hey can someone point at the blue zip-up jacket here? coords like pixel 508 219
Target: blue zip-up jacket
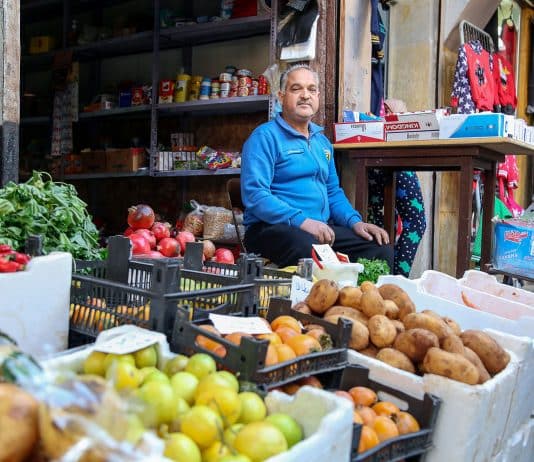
pixel 286 178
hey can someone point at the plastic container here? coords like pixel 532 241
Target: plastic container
pixel 345 274
pixel 34 305
pixel 205 89
pixel 181 89
pixel 248 358
pixel 194 92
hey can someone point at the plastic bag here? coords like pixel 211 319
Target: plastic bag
pixel 214 220
pixel 194 220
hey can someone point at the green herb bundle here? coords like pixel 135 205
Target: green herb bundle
pixel 49 209
pixel 372 270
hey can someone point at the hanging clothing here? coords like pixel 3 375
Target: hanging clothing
pixel 378 36
pixel 473 86
pixel 503 73
pixel 509 38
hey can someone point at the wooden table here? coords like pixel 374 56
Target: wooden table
pixel 461 155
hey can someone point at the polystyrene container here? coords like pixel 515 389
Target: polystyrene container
pixel 326 419
pixel 520 446
pixel 34 305
pixel 449 288
pixel 472 421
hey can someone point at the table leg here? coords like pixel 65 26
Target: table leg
pixel 362 185
pixel 464 216
pixel 389 204
pixel 488 207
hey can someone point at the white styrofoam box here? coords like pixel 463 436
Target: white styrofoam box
pixel 488 283
pixel 34 305
pixel 326 420
pixel 445 286
pixel 520 446
pixel 468 318
pixel 463 411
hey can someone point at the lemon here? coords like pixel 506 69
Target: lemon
pixel 252 407
pixel 224 401
pixel 203 425
pixel 201 364
pixel 215 452
pixel 147 357
pixel 94 363
pixel 181 448
pixel 289 427
pixel 259 441
pixel 184 385
pixel 123 375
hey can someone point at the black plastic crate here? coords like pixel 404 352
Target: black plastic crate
pixel 412 446
pixel 248 359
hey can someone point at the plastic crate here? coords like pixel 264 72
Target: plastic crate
pixel 248 358
pixel 98 304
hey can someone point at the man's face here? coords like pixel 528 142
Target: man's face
pixel 300 98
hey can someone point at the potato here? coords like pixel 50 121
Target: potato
pixel 451 365
pixel 370 351
pixel 398 325
pixel 414 343
pixel 431 313
pixel 322 296
pixel 473 358
pixel 392 310
pixel 302 308
pixel 400 297
pixel 367 285
pixel 396 359
pixel 455 327
pixel 428 322
pixel 453 344
pixel 359 338
pixel 338 309
pixel 372 303
pixel 350 296
pixel 18 423
pixel 492 355
pixel 382 332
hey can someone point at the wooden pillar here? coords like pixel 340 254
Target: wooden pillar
pixel 9 90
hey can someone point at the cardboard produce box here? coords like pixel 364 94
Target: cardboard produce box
pixel 514 246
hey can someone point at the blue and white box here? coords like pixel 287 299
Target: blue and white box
pixel 477 125
pixel 514 246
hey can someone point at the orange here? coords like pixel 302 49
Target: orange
pixel 235 337
pixel 406 423
pixel 271 356
pixel 385 408
pixel 287 321
pixel 284 352
pixel 357 418
pixel 206 342
pixel 219 350
pixel 273 338
pixel 291 388
pixel 385 428
pixel 367 414
pixel 368 439
pixel 311 381
pixel 303 344
pixel 285 333
pixel 363 396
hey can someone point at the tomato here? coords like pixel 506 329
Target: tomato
pixel 148 235
pixel 139 244
pixel 161 230
pixel 183 237
pixel 223 255
pixel 141 216
pixel 169 247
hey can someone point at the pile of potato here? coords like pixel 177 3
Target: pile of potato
pixel 386 326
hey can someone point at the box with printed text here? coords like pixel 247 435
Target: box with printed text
pixel 514 246
pixel 421 125
pixel 477 125
pixel 358 132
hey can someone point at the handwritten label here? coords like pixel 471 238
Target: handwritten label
pixel 126 343
pixel 228 324
pixel 325 253
pixel 300 288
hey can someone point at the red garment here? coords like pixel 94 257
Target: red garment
pixel 508 37
pixel 480 77
pixel 503 73
pixel 508 178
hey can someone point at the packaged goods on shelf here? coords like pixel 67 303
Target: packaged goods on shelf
pixel 94 161
pixel 41 44
pixel 358 132
pixel 34 305
pixel 477 125
pixel 422 125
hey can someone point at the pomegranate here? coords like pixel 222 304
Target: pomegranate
pixel 148 235
pixel 209 249
pixel 139 244
pixel 184 237
pixel 169 247
pixel 128 231
pixel 141 216
pixel 161 230
pixel 152 254
pixel 223 255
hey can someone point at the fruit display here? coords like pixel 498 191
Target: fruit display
pixel 12 261
pixel 386 326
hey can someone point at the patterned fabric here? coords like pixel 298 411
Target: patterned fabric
pixel 409 206
pixel 378 35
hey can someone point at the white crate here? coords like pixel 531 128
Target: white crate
pixel 520 446
pixel 326 419
pixel 34 305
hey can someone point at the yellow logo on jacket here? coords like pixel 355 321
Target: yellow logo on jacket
pixel 327 154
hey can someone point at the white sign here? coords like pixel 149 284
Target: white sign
pixel 229 324
pixel 325 253
pixel 300 288
pixel 124 344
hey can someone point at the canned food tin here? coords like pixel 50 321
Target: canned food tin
pixel 230 69
pixel 242 91
pixel 225 89
pixel 225 77
pixel 181 89
pixel 244 73
pixel 244 82
pixel 215 89
pixel 194 91
pixel 262 85
pixel 255 85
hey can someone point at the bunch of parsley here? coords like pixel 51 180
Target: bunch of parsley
pixel 372 270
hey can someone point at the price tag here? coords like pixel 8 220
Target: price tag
pixel 126 343
pixel 300 288
pixel 325 253
pixel 229 324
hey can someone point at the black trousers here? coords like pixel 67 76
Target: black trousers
pixel 285 245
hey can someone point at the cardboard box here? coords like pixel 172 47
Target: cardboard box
pixel 359 132
pixel 476 125
pixel 410 126
pixel 94 161
pixel 514 246
pixel 125 160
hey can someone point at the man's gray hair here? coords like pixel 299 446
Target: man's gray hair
pixel 295 67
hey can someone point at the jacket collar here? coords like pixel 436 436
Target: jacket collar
pixel 313 128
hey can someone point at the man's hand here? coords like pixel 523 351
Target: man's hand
pixel 321 231
pixel 369 231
